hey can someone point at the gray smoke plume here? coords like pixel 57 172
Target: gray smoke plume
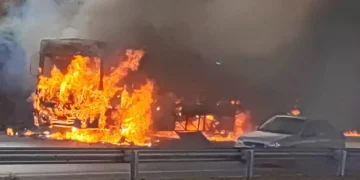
pixel 268 53
pixel 216 30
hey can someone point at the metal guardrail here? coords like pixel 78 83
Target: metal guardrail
pixel 59 156
pixel 134 157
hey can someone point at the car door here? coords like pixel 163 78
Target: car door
pixel 331 137
pixel 307 136
pixel 315 135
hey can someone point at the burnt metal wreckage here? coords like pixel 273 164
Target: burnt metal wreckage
pixel 224 110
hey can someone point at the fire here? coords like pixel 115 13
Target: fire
pixel 9 132
pixel 240 127
pixel 210 117
pixel 352 134
pixel 95 109
pixel 209 126
pixel 28 133
pixel 78 95
pixel 166 134
pixel 295 112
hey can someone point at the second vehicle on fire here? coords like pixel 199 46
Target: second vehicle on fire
pixel 293 131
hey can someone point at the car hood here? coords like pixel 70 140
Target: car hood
pixel 263 137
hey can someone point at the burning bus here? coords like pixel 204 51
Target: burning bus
pixel 77 93
pixel 55 56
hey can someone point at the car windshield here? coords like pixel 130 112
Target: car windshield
pixel 283 125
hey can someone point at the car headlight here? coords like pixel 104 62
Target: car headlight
pixel 275 144
pixel 239 142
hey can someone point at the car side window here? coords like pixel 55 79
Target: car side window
pixel 309 130
pixel 326 129
pixel 318 128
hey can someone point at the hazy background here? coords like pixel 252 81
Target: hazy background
pixel 271 52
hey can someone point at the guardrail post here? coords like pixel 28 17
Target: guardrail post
pixel 341 163
pixel 134 165
pixel 249 156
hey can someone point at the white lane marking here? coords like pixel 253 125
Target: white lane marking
pixel 191 171
pixel 64 174
pixel 117 173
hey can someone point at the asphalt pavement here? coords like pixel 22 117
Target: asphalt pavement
pixel 294 177
pixel 7 141
pixel 154 170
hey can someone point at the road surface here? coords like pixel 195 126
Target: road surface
pixel 7 141
pixel 153 170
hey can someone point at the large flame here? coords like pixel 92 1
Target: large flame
pixel 241 125
pixel 77 95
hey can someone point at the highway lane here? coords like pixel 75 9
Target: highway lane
pixel 7 141
pixel 151 170
pixel 165 170
pixel 121 169
pixel 108 170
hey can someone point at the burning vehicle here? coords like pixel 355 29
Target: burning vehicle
pixel 81 95
pixel 293 131
pixel 74 93
pixel 55 57
pixel 221 121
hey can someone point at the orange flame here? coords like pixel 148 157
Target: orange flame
pixel 209 126
pixel 295 112
pixel 352 134
pixel 77 96
pixel 9 132
pixel 240 127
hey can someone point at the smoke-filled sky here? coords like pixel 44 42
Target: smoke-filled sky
pixel 272 52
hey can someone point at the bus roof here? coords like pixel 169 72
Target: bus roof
pixel 72 46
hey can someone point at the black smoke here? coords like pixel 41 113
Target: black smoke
pixel 271 53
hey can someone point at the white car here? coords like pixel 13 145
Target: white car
pixel 293 131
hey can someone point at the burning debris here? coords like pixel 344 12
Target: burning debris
pixel 241 125
pixel 352 134
pixel 225 121
pixel 9 132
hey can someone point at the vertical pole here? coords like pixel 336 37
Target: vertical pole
pixel 101 83
pixel 198 125
pixel 134 165
pixel 249 155
pixel 186 122
pixel 2 83
pixel 342 163
pixel 204 125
